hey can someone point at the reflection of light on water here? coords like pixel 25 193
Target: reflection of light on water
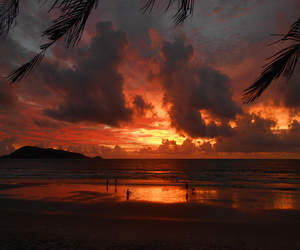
pixel 171 194
pixel 284 201
pixel 90 193
pixel 57 192
pixel 93 193
pixel 159 194
pixel 264 200
pixel 207 194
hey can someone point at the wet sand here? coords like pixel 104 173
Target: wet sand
pixel 108 223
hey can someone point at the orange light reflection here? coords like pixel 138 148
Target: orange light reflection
pixel 93 193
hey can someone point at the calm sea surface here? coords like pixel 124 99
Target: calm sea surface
pixel 248 174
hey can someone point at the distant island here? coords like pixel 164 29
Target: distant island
pixel 30 152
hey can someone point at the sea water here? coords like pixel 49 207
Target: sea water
pixel 266 184
pixel 254 174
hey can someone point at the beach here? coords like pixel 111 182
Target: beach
pixel 76 220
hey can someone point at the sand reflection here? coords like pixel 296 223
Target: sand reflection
pixel 93 193
pixel 89 193
pixel 266 200
pixel 159 194
pixel 284 201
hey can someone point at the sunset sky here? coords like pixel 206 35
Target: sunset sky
pixel 137 86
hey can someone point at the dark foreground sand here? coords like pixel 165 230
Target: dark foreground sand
pixel 108 224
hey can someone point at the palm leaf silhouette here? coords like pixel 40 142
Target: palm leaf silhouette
pixel 185 9
pixel 282 63
pixel 25 69
pixel 9 10
pixel 72 20
pixel 70 24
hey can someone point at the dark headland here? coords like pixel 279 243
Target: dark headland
pixel 30 152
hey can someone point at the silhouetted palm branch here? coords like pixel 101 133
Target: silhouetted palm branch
pixel 185 9
pixel 27 67
pixel 283 64
pixel 72 20
pixel 294 33
pixel 70 23
pixel 9 10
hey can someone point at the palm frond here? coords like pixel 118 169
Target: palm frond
pixel 148 6
pixel 9 10
pixel 72 20
pixel 283 63
pixel 185 9
pixel 26 69
pixel 293 34
pixel 70 24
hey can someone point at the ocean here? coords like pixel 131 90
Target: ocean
pixel 240 183
pixel 253 174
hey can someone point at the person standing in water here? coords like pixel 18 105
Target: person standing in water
pixel 128 193
pixel 107 185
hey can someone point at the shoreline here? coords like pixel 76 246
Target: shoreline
pixel 30 224
pixel 93 192
pixel 86 216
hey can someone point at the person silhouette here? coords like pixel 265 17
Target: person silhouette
pixel 128 193
pixel 186 185
pixel 115 185
pixel 107 185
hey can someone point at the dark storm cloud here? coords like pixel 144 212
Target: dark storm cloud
pixel 141 106
pixel 127 15
pixel 252 134
pixel 171 147
pixel 191 88
pixel 103 151
pixel 291 90
pixel 7 97
pixel 9 50
pixel 256 134
pixel 92 90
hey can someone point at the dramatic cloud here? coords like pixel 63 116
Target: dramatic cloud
pixel 141 106
pixel 171 147
pixel 191 89
pixel 7 97
pixel 152 88
pixel 291 90
pixel 92 91
pixel 256 134
pixel 103 151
